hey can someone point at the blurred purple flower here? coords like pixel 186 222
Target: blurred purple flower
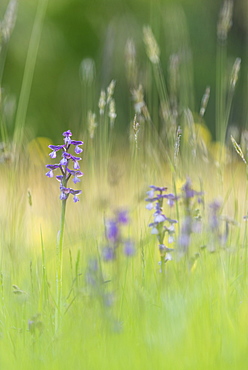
pixel 157 188
pixel 92 270
pixel 129 249
pixel 184 236
pixel 108 253
pixel 122 217
pixel 214 209
pixel 155 198
pixel 189 192
pixel 171 199
pixel 112 231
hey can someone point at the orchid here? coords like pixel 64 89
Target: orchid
pixel 63 165
pixel 63 178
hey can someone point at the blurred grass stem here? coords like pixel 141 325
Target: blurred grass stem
pixel 29 71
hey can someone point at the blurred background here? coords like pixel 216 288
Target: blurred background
pixel 82 48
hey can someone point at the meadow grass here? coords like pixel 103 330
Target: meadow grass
pixel 128 312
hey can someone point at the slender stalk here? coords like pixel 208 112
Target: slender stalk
pixel 29 71
pixel 59 266
pixel 220 95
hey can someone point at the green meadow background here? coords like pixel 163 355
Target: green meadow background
pixel 78 29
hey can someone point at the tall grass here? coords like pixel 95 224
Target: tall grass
pixel 126 313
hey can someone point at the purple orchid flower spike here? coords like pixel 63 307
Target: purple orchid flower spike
pixel 155 200
pixel 66 172
pixel 66 159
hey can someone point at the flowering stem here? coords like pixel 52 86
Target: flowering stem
pixel 63 178
pixel 59 266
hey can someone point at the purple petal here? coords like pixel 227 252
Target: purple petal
pixel 65 190
pixel 66 155
pixel 159 218
pixel 75 192
pixel 78 150
pixel 75 158
pixel 122 217
pixel 76 165
pixel 63 196
pixel 76 180
pixel 67 133
pixel 53 154
pixel 56 147
pixel 157 188
pixel 49 173
pixel 67 138
pixel 149 206
pixel 75 173
pixel 52 166
pixel 150 193
pixel 63 162
pixel 171 221
pixel 76 142
pixel 75 199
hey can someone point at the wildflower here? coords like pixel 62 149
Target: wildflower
pixel 92 272
pixel 189 192
pixel 114 237
pixel 191 223
pixel 184 236
pixel 214 208
pixel 156 195
pixel 77 149
pixel 171 198
pixel 67 134
pixel 122 217
pixel 129 249
pixel 219 233
pixel 66 159
pixel 51 167
pixel 112 230
pixel 55 149
pixel 76 174
pixel 108 253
